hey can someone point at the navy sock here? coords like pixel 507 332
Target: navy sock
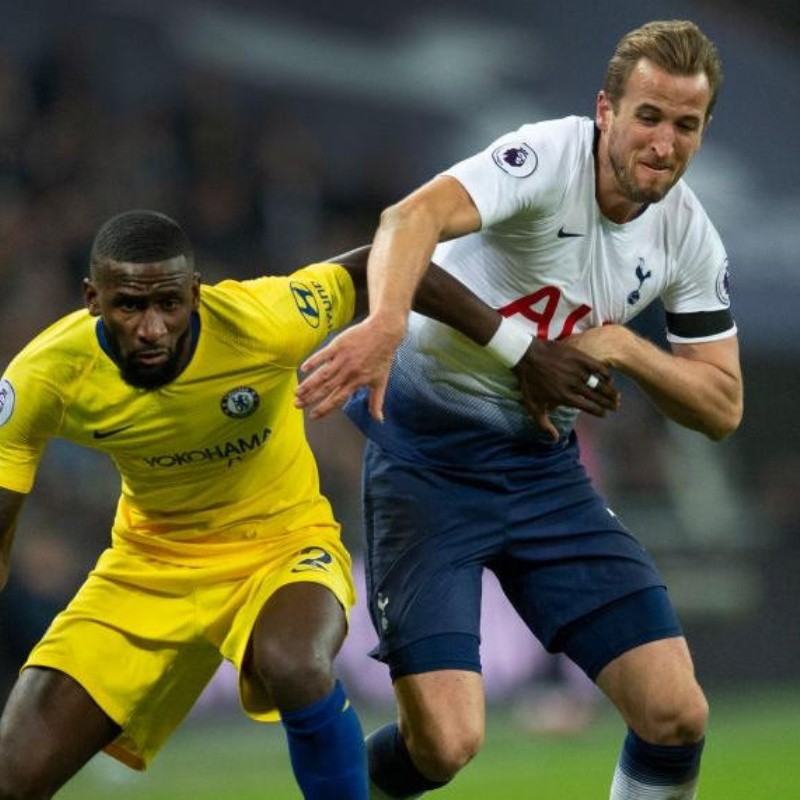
pixel 390 766
pixel 660 765
pixel 326 747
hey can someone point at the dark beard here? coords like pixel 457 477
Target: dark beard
pixel 150 377
pixel 154 377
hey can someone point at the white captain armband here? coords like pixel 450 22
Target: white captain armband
pixel 509 343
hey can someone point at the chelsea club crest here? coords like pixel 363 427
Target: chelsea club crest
pixel 240 402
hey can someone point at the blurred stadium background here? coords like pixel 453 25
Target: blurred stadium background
pixel 275 132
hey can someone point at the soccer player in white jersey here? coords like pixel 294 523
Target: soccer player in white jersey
pixel 222 545
pixel 570 228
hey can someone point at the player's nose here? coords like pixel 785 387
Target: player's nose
pixel 663 141
pixel 151 325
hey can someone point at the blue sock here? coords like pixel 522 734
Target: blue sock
pixel 390 766
pixel 326 747
pixel 656 771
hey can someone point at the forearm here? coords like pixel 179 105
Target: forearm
pixel 442 297
pixel 692 391
pixel 404 243
pixel 401 251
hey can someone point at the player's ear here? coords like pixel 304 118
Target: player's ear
pixel 196 281
pixel 603 110
pixel 90 296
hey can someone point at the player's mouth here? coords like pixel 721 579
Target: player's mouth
pixel 656 169
pixel 150 358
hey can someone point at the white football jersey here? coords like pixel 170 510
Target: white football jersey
pixel 547 257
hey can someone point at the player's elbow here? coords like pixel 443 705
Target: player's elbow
pixel 416 213
pixel 402 215
pixel 395 217
pixel 725 422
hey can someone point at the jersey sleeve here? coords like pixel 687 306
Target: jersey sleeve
pixel 697 302
pixel 524 172
pixel 304 308
pixel 30 413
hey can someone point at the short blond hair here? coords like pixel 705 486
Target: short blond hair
pixel 677 46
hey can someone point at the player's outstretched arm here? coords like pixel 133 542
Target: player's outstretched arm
pixel 10 505
pixel 401 251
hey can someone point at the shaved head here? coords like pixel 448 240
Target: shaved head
pixel 139 237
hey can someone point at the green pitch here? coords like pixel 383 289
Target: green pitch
pixel 751 753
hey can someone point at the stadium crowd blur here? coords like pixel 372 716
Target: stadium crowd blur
pixel 251 176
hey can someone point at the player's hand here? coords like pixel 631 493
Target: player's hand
pixel 360 356
pixel 554 374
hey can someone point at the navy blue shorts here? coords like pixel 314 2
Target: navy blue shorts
pixel 576 576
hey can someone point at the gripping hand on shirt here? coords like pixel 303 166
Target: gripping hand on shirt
pixel 554 374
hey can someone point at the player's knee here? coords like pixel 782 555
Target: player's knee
pixel 440 757
pixel 678 721
pixel 294 674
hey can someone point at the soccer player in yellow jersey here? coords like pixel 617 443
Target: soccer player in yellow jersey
pixel 222 545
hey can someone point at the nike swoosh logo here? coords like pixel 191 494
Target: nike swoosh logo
pixel 562 234
pixel 112 432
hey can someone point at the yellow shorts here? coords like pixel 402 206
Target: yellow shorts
pixel 144 636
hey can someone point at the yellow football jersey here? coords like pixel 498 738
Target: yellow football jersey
pixel 219 455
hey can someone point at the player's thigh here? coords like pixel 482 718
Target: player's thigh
pixel 429 534
pixel 291 612
pixel 296 636
pixel 300 620
pixel 49 729
pixel 442 709
pixel 655 689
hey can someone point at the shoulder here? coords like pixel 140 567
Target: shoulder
pixel 316 296
pixel 270 290
pixel 527 171
pixel 48 369
pixel 62 349
pixel 562 132
pixel 558 139
pixel 546 155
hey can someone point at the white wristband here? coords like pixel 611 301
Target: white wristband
pixel 509 343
